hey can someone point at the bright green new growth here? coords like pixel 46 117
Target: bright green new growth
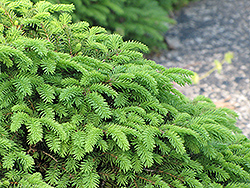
pixel 82 108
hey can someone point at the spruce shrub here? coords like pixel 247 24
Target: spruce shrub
pixel 82 108
pixel 143 20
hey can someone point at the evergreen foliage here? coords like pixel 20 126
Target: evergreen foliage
pixel 82 108
pixel 143 20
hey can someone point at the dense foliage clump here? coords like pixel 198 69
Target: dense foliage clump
pixel 82 108
pixel 143 20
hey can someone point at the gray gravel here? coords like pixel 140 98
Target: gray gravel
pixel 206 30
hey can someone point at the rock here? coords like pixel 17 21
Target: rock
pixel 173 42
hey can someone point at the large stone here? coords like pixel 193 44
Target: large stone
pixel 173 42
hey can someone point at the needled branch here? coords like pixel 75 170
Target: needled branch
pixel 79 107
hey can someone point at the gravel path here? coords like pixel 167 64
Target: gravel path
pixel 206 30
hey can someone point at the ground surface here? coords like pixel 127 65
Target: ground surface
pixel 206 30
